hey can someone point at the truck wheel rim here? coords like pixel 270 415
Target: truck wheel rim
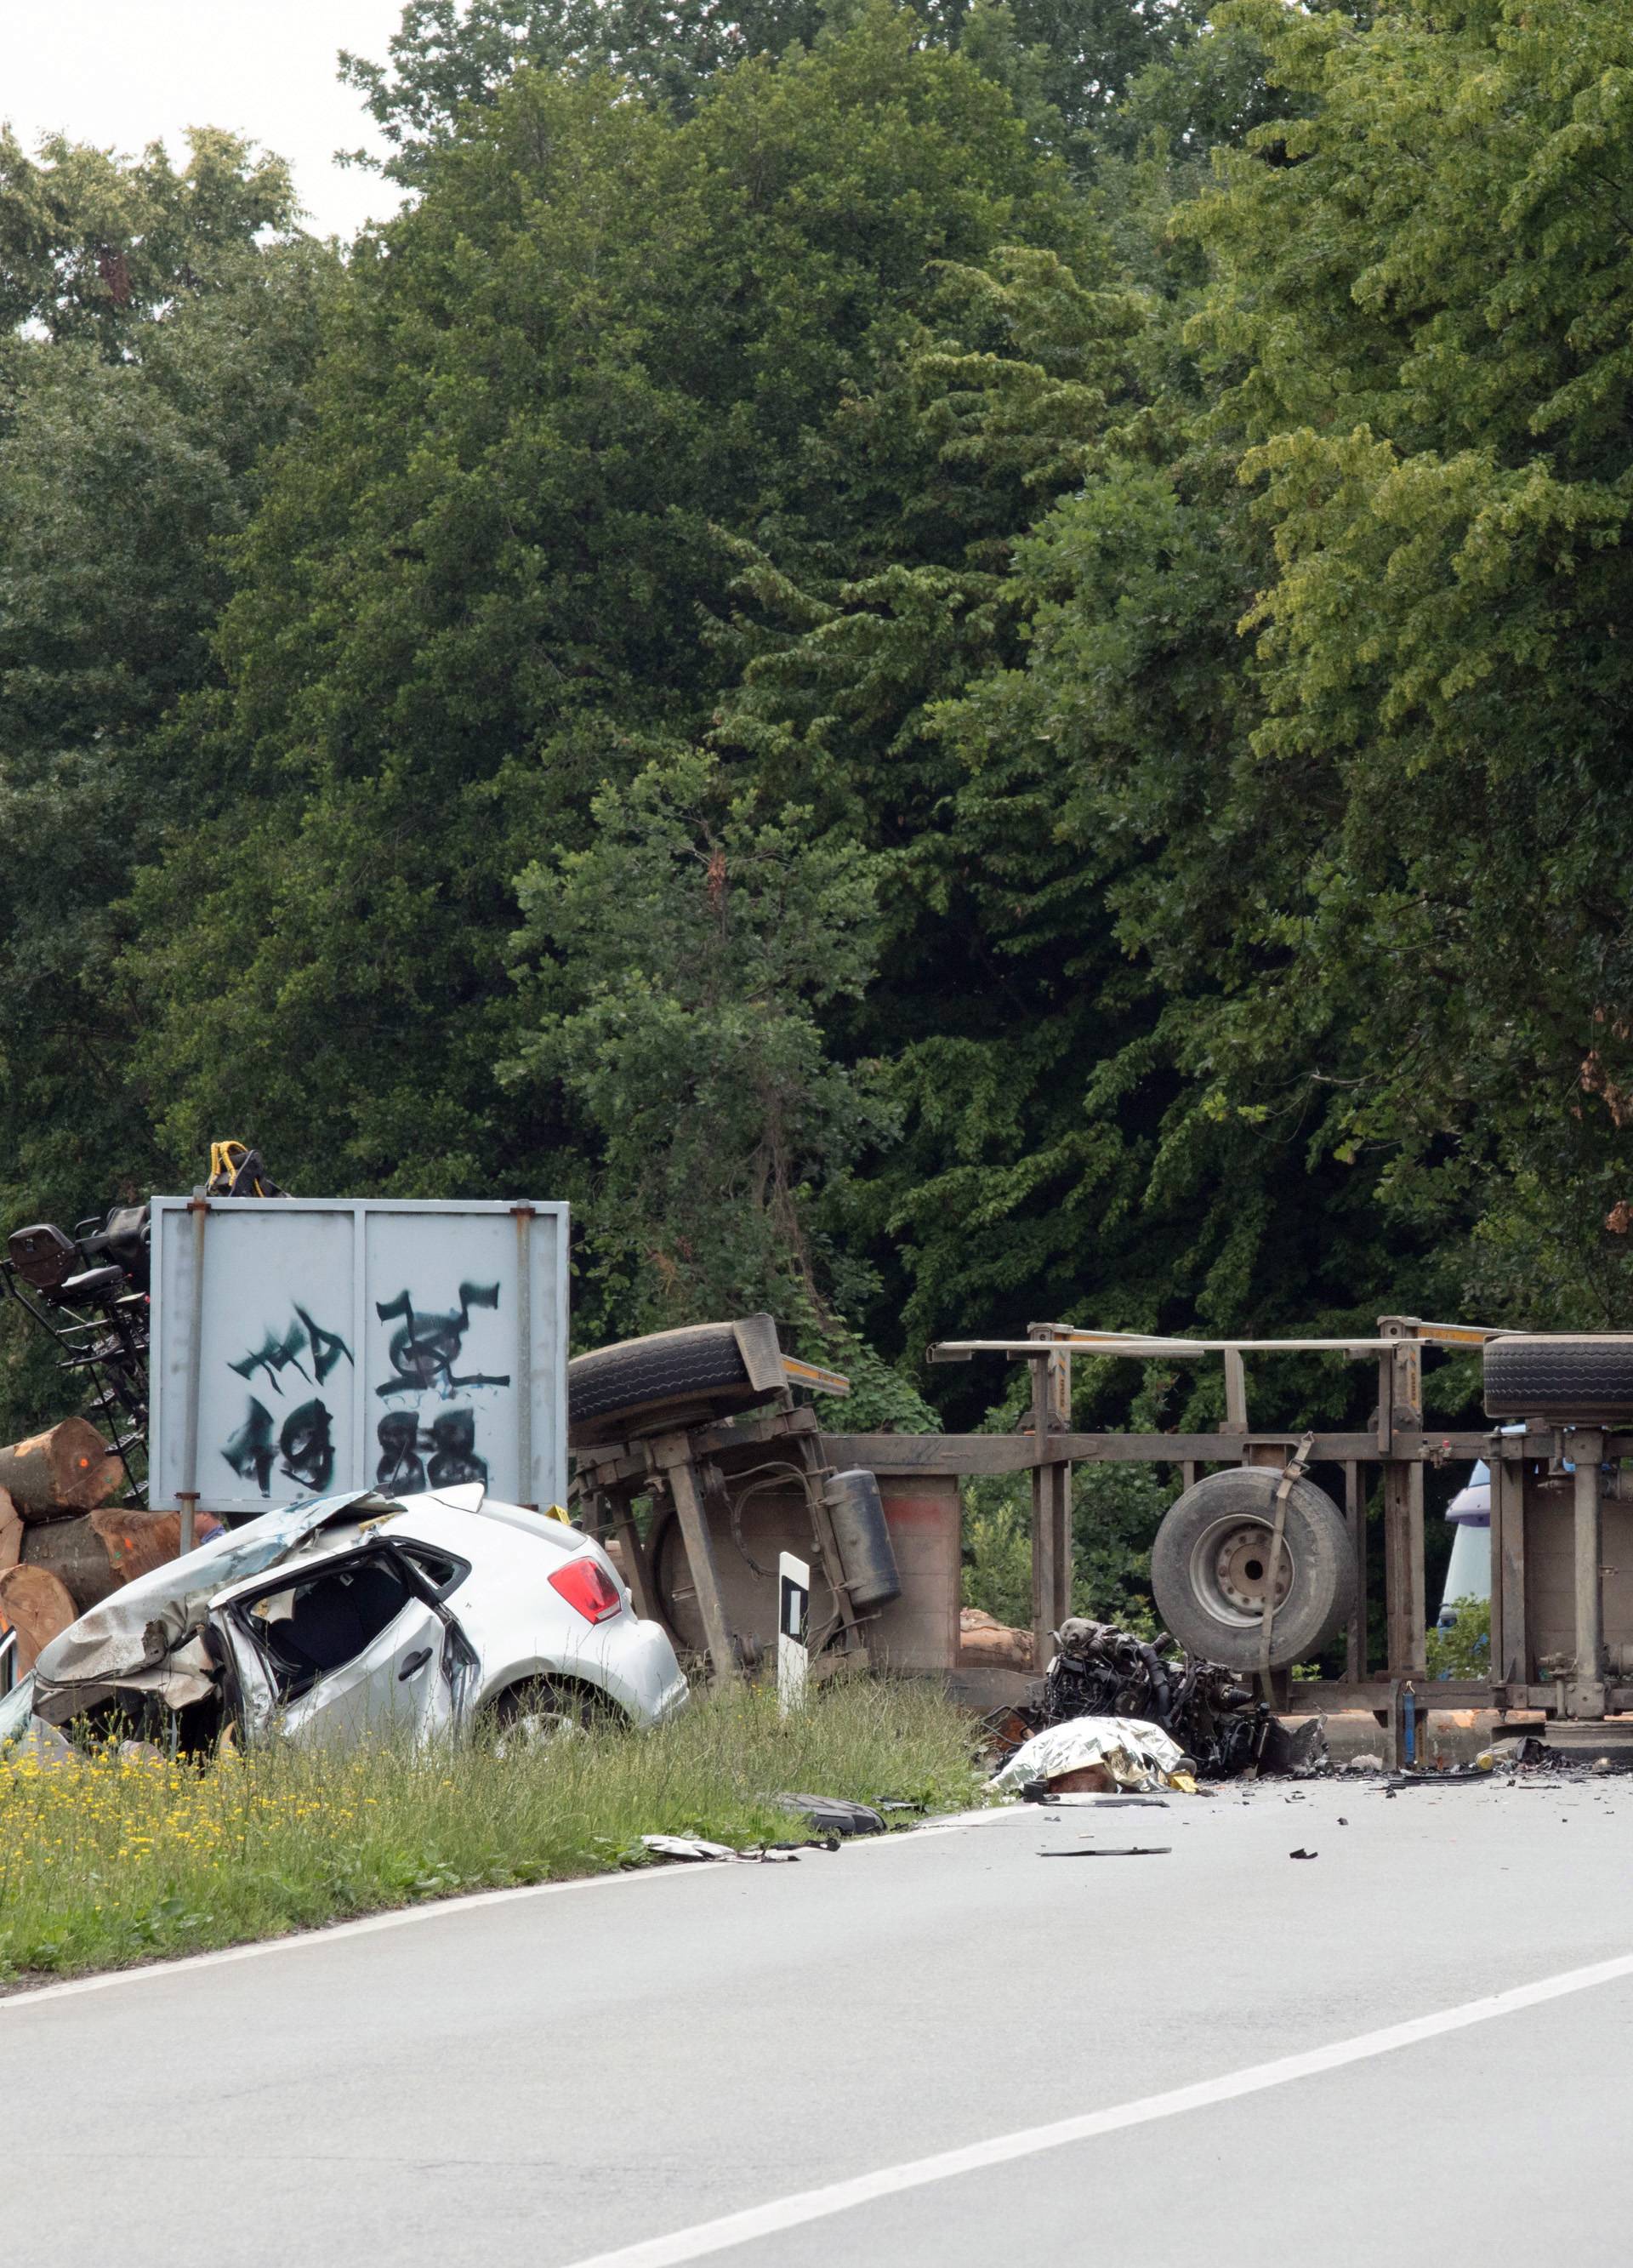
pixel 1230 1571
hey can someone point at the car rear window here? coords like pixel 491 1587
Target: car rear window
pixel 441 1570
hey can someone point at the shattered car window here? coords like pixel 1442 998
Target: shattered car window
pixel 306 1629
pixel 441 1570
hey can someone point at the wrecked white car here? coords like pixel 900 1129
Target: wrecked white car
pixel 360 1614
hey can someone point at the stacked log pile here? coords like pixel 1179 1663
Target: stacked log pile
pixel 63 1547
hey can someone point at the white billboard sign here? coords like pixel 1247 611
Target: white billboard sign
pixel 303 1346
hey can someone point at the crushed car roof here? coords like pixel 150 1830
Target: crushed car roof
pixel 138 1626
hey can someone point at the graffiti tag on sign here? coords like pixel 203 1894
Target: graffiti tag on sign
pixel 302 1447
pixel 442 1454
pixel 424 1354
pixel 423 1350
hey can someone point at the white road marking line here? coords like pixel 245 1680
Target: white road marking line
pixel 733 2228
pixel 432 1910
pixel 399 1918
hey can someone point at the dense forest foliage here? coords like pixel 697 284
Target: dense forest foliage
pixel 954 663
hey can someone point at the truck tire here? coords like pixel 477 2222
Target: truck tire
pixel 641 1385
pixel 1581 1381
pixel 1209 1568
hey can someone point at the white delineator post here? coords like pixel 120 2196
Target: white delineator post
pixel 793 1658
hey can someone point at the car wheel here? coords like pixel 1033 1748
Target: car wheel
pixel 1585 1381
pixel 1210 1569
pixel 540 1713
pixel 671 1378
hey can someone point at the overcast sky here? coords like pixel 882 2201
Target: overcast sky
pixel 127 72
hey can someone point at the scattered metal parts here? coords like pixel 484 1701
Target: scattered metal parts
pixel 836 1814
pixel 1099 1670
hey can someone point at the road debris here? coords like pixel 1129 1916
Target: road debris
pixel 1472 1778
pixel 833 1815
pixel 1304 1854
pixel 686 1846
pixel 1122 1851
pixel 1097 1671
pixel 695 1848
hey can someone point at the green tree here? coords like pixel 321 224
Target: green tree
pixel 680 967
pixel 1041 707
pixel 167 322
pixel 604 350
pixel 96 247
pixel 1075 59
pixel 1439 401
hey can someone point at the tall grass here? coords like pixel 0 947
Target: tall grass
pixel 115 1857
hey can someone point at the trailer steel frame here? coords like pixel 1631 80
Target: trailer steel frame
pixel 688 1465
pixel 1398 1444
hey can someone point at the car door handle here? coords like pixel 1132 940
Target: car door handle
pixel 415 1661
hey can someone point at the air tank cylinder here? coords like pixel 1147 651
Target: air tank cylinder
pixel 867 1558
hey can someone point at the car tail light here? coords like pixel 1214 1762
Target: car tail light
pixel 588 1588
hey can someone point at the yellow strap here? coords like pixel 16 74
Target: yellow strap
pixel 226 1157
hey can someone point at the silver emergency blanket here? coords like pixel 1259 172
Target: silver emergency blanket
pixel 1137 1755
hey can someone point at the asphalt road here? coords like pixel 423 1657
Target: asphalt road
pixel 548 2077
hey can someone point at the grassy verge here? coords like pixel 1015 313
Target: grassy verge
pixel 111 1860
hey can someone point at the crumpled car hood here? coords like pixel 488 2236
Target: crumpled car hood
pixel 136 1638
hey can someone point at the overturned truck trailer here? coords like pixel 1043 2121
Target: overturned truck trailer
pixel 698 1463
pixel 696 1452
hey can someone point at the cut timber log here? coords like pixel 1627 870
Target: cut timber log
pixel 138 1541
pixel 71 1468
pixel 984 1640
pixel 10 1533
pixel 76 1555
pixel 37 1605
pixel 87 1557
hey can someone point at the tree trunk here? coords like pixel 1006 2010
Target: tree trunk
pixel 10 1533
pixel 138 1541
pixel 71 1468
pixel 38 1607
pixel 72 1550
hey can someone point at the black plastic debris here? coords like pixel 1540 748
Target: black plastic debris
pixel 835 1815
pixel 1123 1851
pixel 1303 1751
pixel 1304 1854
